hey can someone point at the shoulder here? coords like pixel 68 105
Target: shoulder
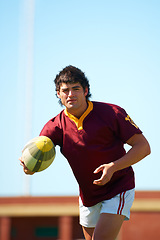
pixel 53 129
pixel 107 107
pixel 53 123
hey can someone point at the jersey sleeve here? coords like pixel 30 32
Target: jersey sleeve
pixel 125 127
pixel 53 130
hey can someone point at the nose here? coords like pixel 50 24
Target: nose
pixel 70 93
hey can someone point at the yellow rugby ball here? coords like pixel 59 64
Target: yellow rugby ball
pixel 38 153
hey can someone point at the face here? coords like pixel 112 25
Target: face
pixel 73 97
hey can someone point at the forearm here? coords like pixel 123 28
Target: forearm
pixel 138 151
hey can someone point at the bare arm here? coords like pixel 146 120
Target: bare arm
pixel 140 149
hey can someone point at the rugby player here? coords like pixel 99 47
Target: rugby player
pixel 91 136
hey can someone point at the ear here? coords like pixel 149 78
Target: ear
pixel 58 94
pixel 86 91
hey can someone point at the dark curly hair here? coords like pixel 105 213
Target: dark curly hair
pixel 71 74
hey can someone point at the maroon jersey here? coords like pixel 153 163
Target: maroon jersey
pixel 96 138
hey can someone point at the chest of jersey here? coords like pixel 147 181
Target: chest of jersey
pixel 96 140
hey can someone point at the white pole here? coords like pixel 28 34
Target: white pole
pixel 29 4
pixel 29 7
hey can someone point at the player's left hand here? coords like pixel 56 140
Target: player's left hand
pixel 107 173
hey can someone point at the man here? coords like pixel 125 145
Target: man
pixel 91 136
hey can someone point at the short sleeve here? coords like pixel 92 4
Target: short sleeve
pixel 53 130
pixel 125 127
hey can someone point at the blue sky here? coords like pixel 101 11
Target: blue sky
pixel 116 43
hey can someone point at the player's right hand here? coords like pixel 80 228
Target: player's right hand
pixel 25 169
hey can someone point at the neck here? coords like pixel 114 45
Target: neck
pixel 78 112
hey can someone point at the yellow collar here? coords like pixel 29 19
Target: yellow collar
pixel 79 122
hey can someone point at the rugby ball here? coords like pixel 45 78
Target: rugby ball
pixel 38 153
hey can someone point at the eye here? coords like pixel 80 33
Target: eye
pixel 65 90
pixel 76 88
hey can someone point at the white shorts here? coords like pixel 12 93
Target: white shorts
pixel 120 204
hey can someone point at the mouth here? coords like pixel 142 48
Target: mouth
pixel 71 100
